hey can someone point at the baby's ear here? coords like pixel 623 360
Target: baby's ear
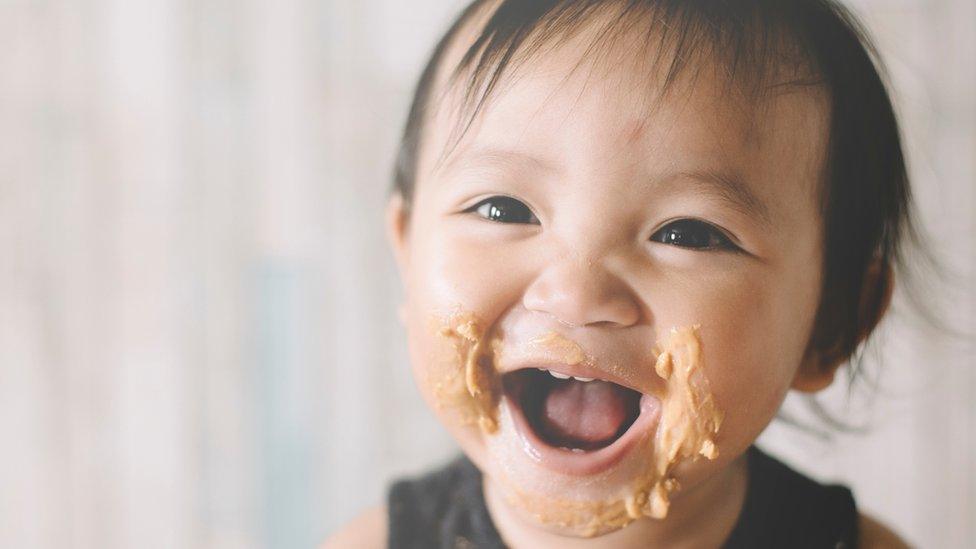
pixel 819 366
pixel 397 218
pixel 816 372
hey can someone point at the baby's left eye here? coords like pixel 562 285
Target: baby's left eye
pixel 693 234
pixel 504 209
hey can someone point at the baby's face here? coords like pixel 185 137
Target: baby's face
pixel 581 218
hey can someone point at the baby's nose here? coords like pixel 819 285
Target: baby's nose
pixel 583 293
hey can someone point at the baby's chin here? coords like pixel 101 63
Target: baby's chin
pixel 553 513
pixel 592 495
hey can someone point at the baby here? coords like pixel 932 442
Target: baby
pixel 626 229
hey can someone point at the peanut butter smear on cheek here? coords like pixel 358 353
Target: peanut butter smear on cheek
pixel 466 380
pixel 687 428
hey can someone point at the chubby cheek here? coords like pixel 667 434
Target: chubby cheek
pixel 455 289
pixel 754 331
pixel 448 271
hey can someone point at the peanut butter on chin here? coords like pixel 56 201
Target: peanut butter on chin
pixel 468 383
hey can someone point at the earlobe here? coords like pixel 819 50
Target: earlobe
pixel 819 366
pixel 879 287
pixel 397 219
pixel 814 374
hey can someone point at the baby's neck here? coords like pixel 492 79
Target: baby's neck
pixel 700 517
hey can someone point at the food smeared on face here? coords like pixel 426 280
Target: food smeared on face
pixel 466 381
pixel 562 348
pixel 687 423
pixel 579 416
pixel 690 421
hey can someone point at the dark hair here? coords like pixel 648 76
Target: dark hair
pixel 866 202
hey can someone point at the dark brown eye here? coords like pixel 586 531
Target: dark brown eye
pixel 694 234
pixel 504 209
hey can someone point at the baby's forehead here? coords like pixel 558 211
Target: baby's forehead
pixel 576 76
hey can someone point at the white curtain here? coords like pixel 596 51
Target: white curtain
pixel 198 339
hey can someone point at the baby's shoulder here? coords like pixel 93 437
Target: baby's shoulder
pixel 874 535
pixel 420 509
pixel 785 505
pixel 367 531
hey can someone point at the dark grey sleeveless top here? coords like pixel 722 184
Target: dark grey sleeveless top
pixel 446 509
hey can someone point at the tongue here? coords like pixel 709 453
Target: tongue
pixel 584 414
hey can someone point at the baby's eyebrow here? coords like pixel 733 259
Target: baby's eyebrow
pixel 488 156
pixel 730 189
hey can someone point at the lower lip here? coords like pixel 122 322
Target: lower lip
pixel 578 463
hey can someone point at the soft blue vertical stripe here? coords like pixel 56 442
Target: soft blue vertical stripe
pixel 282 397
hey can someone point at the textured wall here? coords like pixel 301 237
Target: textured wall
pixel 198 345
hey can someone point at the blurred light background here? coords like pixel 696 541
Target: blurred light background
pixel 198 339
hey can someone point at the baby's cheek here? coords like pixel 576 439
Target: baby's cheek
pixel 454 273
pixel 750 387
pixel 750 346
pixel 454 367
pixel 751 363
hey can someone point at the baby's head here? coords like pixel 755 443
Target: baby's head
pixel 696 204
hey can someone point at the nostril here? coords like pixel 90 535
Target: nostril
pixel 603 324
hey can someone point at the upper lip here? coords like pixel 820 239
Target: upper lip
pixel 586 369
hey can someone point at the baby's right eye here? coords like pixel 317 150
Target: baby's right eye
pixel 504 209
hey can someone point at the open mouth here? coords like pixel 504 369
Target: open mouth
pixel 576 424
